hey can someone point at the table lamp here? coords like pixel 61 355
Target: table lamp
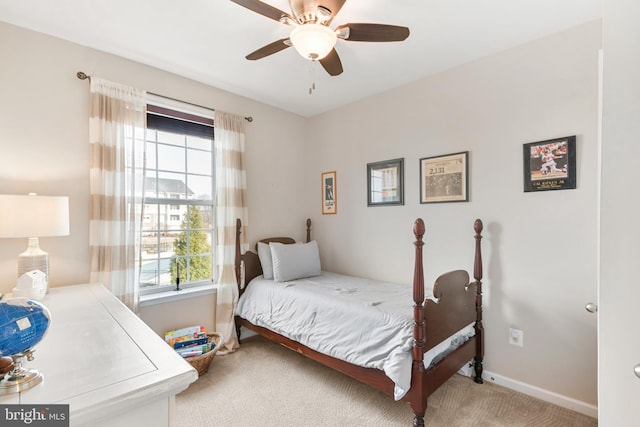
pixel 33 216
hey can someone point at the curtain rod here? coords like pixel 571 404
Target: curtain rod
pixel 83 76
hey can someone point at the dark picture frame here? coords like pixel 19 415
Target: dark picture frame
pixel 385 183
pixel 445 178
pixel 329 193
pixel 550 164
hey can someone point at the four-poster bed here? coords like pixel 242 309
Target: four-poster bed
pixel 458 308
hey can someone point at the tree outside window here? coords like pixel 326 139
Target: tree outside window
pixel 191 249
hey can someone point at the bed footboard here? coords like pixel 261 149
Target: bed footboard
pixel 459 304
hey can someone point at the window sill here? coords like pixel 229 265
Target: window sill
pixel 173 295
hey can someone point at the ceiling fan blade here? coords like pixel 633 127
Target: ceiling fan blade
pixel 331 63
pixel 269 49
pixel 372 32
pixel 263 9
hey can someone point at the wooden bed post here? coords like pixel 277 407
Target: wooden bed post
pixel 419 406
pixel 308 230
pixel 477 274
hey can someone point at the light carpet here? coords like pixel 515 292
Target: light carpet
pixel 264 384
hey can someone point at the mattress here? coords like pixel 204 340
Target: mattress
pixel 364 322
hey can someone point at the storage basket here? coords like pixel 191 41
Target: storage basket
pixel 201 363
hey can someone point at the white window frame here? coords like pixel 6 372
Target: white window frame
pixel 158 294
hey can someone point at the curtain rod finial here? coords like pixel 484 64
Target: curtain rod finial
pixel 82 76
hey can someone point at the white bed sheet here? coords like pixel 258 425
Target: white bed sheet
pixel 370 324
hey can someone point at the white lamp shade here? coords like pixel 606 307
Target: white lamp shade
pixel 33 216
pixel 313 41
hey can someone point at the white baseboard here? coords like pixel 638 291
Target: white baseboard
pixel 542 394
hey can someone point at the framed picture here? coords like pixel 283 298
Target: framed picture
pixel 329 201
pixel 445 178
pixel 385 183
pixel 550 164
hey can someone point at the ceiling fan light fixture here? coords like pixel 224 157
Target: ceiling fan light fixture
pixel 313 41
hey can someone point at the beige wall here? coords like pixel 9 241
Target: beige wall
pixel 540 248
pixel 44 140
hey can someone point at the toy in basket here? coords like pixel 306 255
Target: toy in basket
pixel 201 363
pixel 195 345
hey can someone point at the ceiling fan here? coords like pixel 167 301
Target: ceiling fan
pixel 312 36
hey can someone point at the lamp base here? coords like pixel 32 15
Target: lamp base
pixel 20 379
pixel 34 258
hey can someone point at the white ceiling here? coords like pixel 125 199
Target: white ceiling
pixel 207 40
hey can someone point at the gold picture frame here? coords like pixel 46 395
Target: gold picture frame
pixel 329 194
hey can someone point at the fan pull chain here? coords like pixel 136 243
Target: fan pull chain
pixel 312 77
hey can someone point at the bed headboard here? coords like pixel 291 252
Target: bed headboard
pixel 250 261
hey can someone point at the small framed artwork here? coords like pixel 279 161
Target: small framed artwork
pixel 385 183
pixel 329 201
pixel 550 164
pixel 445 178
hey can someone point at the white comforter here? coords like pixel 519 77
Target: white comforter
pixel 369 324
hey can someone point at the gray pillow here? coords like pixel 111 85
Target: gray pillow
pixel 297 261
pixel 264 253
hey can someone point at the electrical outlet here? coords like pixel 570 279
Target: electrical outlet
pixel 516 337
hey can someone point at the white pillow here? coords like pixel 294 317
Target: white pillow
pixel 296 261
pixel 264 253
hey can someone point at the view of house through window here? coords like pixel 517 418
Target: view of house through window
pixel 178 221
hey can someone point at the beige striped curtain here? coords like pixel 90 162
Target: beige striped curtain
pixel 231 184
pixel 116 176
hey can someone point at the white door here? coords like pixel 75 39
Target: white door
pixel 619 288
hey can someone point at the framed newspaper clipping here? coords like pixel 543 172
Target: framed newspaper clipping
pixel 550 164
pixel 445 178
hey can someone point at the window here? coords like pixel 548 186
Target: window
pixel 178 224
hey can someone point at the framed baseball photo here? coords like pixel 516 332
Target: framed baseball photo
pixel 329 203
pixel 550 164
pixel 444 178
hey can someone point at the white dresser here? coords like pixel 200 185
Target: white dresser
pixel 102 360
